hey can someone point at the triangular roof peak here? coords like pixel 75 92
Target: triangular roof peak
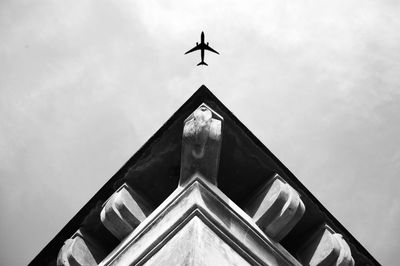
pixel 246 164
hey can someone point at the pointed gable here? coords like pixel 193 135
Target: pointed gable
pixel 245 166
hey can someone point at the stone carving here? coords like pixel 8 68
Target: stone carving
pixel 326 248
pixel 276 209
pixel 124 211
pixel 79 250
pixel 199 225
pixel 201 145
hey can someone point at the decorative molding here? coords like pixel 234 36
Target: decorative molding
pixel 124 211
pixel 197 244
pixel 201 145
pixel 79 250
pixel 276 208
pixel 154 170
pixel 326 248
pixel 201 199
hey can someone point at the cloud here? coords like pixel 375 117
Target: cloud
pixel 84 84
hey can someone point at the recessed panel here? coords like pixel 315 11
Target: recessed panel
pixel 196 244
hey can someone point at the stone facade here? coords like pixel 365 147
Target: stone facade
pixel 199 222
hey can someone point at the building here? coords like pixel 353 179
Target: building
pixel 203 191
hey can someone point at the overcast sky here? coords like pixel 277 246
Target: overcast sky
pixel 83 84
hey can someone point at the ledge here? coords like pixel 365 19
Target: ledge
pixel 215 210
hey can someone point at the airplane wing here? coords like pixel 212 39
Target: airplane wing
pixel 197 47
pixel 210 49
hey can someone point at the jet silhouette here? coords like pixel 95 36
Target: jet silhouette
pixel 202 46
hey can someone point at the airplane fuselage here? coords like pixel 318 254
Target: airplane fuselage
pixel 202 46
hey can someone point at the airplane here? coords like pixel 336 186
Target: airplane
pixel 202 46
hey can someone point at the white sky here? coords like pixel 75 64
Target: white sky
pixel 83 84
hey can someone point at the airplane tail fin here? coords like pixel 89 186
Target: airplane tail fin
pixel 202 63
